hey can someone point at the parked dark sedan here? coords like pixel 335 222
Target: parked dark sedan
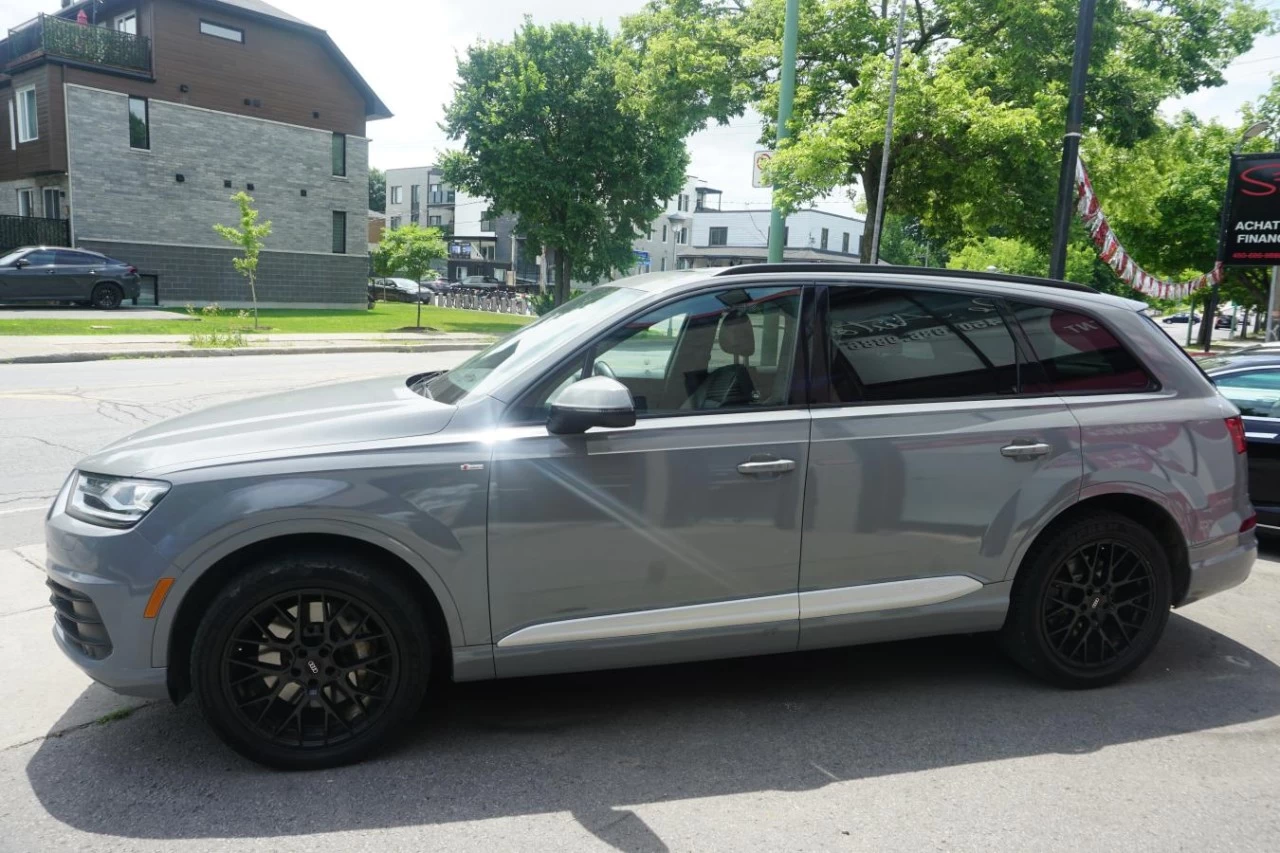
pixel 57 274
pixel 401 290
pixel 1251 380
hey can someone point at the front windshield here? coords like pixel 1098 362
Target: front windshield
pixel 489 368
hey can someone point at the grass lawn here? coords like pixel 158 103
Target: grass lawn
pixel 385 317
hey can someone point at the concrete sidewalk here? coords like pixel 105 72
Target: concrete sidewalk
pixel 36 349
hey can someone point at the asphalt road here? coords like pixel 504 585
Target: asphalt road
pixel 928 745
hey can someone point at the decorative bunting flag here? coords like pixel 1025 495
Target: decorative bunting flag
pixel 1114 255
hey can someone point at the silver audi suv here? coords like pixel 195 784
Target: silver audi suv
pixel 678 466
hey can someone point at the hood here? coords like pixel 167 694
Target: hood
pixel 327 415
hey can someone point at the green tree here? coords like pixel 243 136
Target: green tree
pixel 550 136
pixel 905 242
pixel 377 190
pixel 1018 257
pixel 982 94
pixel 410 250
pixel 248 238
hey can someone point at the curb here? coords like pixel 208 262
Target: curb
pixel 70 357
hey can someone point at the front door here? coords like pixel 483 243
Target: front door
pixel 679 537
pixel 31 279
pixel 931 459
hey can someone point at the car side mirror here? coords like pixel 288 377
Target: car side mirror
pixel 21 262
pixel 596 401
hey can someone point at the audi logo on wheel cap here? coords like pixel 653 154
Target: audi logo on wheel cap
pixel 311 665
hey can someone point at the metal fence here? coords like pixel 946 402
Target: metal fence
pixel 18 231
pixel 68 39
pixel 498 302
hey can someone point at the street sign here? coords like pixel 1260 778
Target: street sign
pixel 758 163
pixel 1251 227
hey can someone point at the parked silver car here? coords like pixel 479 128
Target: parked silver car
pixel 677 466
pixel 56 274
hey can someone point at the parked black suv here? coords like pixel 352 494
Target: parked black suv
pixel 58 274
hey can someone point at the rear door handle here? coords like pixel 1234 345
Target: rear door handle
pixel 1025 451
pixel 767 466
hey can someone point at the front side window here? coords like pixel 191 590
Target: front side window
pixel 718 236
pixel 139 123
pixel 28 126
pixel 1256 393
pixel 26 203
pixel 1077 352
pixel 725 350
pixel 900 345
pixel 41 258
pixel 340 155
pixel 339 232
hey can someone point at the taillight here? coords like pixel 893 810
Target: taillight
pixel 1249 523
pixel 133 270
pixel 1235 426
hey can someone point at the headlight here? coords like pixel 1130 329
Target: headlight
pixel 113 501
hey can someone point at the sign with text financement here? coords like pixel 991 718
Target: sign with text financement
pixel 1251 228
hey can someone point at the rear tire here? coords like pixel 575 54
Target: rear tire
pixel 107 296
pixel 310 661
pixel 1089 602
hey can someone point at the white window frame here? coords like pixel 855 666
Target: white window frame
pixel 13 128
pixel 222 31
pixel 30 194
pixel 125 18
pixel 25 113
pixel 397 195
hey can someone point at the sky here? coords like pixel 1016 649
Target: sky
pixel 407 51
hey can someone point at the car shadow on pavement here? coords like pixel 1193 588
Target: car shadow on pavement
pixel 597 744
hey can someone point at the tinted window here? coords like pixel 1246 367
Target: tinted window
pixel 41 257
pixel 731 349
pixel 74 258
pixel 1256 394
pixel 1078 353
pixel 896 344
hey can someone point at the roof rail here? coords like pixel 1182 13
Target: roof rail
pixel 888 270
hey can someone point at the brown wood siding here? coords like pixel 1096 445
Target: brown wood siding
pixel 30 158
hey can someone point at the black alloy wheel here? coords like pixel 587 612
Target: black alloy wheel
pixel 1089 601
pixel 306 660
pixel 107 297
pixel 1097 603
pixel 310 669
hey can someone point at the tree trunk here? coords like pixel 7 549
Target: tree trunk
pixel 870 189
pixel 253 294
pixel 562 277
pixel 542 269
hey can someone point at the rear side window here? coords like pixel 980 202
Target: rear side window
pixel 891 344
pixel 1077 352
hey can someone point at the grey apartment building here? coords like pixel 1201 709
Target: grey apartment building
pixel 135 121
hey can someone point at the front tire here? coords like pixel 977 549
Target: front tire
pixel 1089 602
pixel 107 296
pixel 310 661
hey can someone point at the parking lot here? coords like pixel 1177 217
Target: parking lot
pixel 936 744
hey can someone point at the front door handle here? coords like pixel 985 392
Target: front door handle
pixel 767 466
pixel 1025 451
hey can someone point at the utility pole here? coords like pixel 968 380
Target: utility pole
pixel 878 225
pixel 1071 142
pixel 786 94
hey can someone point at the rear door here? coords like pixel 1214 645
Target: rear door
pixel 1256 393
pixel 933 455
pixel 75 272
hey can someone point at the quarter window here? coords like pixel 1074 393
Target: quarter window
pixel 1078 353
pixel 139 123
pixel 28 126
pixel 889 344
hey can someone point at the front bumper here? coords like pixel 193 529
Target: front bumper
pixel 1221 564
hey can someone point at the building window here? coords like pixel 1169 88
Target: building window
pixel 126 22
pixel 13 129
pixel 397 195
pixel 222 31
pixel 139 123
pixel 28 128
pixel 486 221
pixel 434 196
pixel 664 233
pixel 844 243
pixel 26 202
pixel 435 221
pixel 339 232
pixel 663 264
pixel 719 236
pixel 825 236
pixel 650 233
pixel 682 236
pixel 394 223
pixel 682 202
pixel 413 196
pixel 413 217
pixel 52 203
pixel 340 155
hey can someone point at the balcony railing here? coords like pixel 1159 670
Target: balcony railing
pixel 66 39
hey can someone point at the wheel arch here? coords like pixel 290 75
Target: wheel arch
pixel 1148 510
pixel 203 579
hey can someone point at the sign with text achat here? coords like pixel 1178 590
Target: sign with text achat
pixel 1251 228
